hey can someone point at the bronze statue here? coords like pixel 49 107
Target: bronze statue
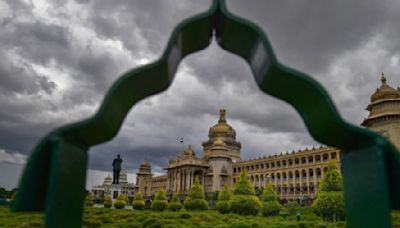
pixel 116 169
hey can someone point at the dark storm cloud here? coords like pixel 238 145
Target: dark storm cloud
pixel 59 59
pixel 310 34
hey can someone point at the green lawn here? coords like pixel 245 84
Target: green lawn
pixel 102 217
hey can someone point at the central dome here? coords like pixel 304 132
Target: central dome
pixel 385 92
pixel 222 129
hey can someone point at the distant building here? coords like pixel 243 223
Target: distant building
pixel 99 192
pixel 295 175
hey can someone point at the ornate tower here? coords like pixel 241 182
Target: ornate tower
pixel 143 178
pixel 384 112
pixel 221 150
pixel 222 130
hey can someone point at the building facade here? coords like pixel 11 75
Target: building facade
pixel 295 175
pixel 107 188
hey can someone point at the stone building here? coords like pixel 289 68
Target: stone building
pixel 384 112
pixel 294 175
pixel 107 188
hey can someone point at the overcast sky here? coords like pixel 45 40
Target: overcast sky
pixel 58 59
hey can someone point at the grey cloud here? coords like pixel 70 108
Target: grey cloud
pixel 333 41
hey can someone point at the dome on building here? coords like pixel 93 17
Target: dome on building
pixel 222 129
pixel 145 167
pixel 385 92
pixel 189 152
pixel 107 180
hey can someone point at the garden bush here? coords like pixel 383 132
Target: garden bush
pixel 244 202
pixel 120 203
pixel 270 205
pixel 244 205
pixel 223 199
pixel 329 203
pixel 108 202
pixel 160 202
pixel 292 207
pixel 89 200
pixel 138 202
pixel 195 199
pixel 174 203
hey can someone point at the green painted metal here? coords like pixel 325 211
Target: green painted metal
pixel 54 177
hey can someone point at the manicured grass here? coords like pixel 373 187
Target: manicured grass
pixel 103 217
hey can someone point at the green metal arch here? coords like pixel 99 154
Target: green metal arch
pixel 54 177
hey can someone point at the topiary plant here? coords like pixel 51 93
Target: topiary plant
pixel 138 202
pixel 329 202
pixel 270 205
pixel 174 204
pixel 108 202
pixel 195 199
pixel 89 200
pixel 292 207
pixel 244 202
pixel 160 202
pixel 223 200
pixel 120 203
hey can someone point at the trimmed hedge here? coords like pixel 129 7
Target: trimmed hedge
pixel 121 202
pixel 138 202
pixel 270 208
pixel 270 205
pixel 329 203
pixel 195 199
pixel 244 202
pixel 108 202
pixel 160 202
pixel 244 205
pixel 223 198
pixel 89 200
pixel 174 203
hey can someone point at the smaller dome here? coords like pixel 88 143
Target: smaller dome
pixel 385 92
pixel 189 152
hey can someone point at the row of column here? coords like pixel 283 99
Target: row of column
pixel 180 180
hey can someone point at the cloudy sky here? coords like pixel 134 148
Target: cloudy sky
pixel 58 58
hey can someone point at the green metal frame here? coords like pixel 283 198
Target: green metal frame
pixel 54 177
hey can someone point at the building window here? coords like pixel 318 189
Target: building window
pixel 310 159
pixel 333 155
pixel 296 161
pixel 115 194
pixel 303 160
pixel 325 157
pixel 234 170
pixel 262 166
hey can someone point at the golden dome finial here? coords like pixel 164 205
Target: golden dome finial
pixel 222 113
pixel 383 79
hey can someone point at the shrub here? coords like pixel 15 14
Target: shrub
pixel 270 205
pixel 329 203
pixel 223 198
pixel 89 200
pixel 243 186
pixel 244 202
pixel 270 208
pixel 244 205
pixel 174 204
pixel 195 199
pixel 108 202
pixel 138 202
pixel 292 207
pixel 120 203
pixel 160 202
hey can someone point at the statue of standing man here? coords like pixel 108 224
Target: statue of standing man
pixel 116 169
